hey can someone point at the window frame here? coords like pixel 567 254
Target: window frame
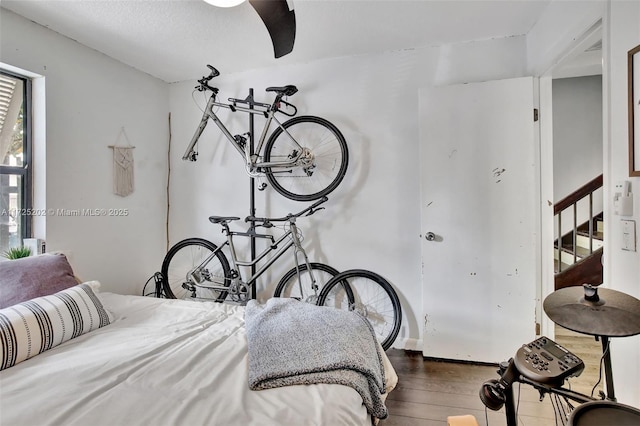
pixel 26 170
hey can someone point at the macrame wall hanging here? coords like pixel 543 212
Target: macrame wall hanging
pixel 122 165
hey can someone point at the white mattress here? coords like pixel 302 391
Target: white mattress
pixel 164 362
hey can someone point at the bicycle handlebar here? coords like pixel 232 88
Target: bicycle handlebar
pixel 204 81
pixel 214 72
pixel 203 85
pixel 309 211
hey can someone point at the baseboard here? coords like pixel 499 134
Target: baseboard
pixel 415 345
pixel 408 344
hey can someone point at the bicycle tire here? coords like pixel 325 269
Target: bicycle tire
pixel 369 294
pixel 329 152
pixel 288 285
pixel 182 258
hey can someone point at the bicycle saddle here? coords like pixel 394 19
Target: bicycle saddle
pixel 287 90
pixel 222 219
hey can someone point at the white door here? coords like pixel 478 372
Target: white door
pixel 480 199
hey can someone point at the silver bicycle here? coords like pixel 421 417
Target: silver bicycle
pixel 304 158
pixel 197 268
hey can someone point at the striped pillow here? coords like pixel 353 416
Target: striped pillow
pixel 39 324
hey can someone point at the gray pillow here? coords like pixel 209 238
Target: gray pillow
pixel 35 276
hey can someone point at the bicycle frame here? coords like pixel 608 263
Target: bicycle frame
pixel 251 160
pixel 293 241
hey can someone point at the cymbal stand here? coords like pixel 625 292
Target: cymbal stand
pixel 608 373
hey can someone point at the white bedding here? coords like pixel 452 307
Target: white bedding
pixel 164 362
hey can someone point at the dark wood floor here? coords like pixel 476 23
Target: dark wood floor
pixel 429 391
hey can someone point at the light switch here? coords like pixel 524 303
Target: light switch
pixel 628 235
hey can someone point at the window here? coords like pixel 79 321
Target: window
pixel 15 159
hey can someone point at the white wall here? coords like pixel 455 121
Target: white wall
pixel 621 268
pixel 577 133
pixel 557 29
pixel 89 98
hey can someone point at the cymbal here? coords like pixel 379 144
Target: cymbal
pixel 594 311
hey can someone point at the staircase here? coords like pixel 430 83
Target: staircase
pixel 578 260
pixel 578 249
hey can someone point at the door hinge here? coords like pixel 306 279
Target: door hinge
pixel 535 114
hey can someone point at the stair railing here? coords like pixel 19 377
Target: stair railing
pixel 571 201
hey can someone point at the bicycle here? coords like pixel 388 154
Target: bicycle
pixel 197 268
pixel 370 295
pixel 304 159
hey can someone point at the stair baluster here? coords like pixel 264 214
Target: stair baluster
pixel 584 269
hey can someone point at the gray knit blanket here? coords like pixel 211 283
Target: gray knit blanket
pixel 296 343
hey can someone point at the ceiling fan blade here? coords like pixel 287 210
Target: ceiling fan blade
pixel 280 22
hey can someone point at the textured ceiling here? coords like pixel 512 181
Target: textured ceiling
pixel 174 39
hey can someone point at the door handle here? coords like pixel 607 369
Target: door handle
pixel 430 236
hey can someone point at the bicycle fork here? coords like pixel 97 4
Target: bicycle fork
pixel 297 250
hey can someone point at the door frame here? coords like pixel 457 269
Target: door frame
pixel 576 46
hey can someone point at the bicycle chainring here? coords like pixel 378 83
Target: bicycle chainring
pixel 239 291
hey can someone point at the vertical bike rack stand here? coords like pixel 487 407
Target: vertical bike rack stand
pixel 252 196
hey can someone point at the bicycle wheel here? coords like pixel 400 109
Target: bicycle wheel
pixel 323 164
pixel 289 286
pixel 185 275
pixel 369 294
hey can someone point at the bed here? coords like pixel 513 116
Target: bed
pixel 161 362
